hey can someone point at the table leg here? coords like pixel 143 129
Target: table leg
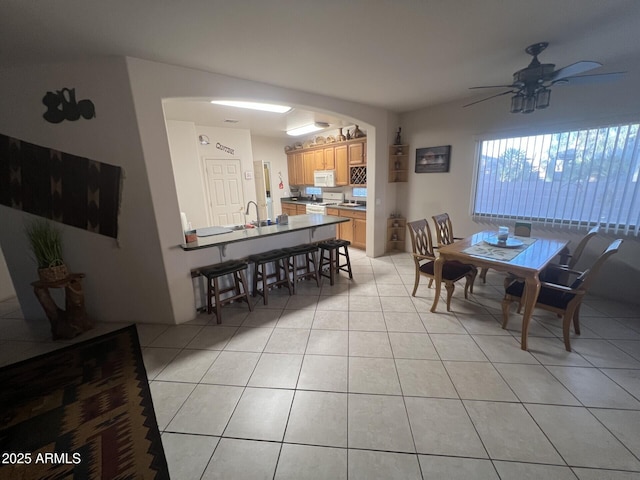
pixel 437 273
pixel 531 291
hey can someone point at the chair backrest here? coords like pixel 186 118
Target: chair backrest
pixel 444 229
pixel 421 240
pixel 522 229
pixel 584 280
pixel 575 256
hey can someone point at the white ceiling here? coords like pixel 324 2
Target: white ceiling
pixel 401 55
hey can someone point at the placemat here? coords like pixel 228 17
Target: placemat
pixel 502 254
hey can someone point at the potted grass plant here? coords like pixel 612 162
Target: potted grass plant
pixel 45 242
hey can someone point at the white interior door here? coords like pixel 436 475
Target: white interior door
pixel 226 199
pixel 261 188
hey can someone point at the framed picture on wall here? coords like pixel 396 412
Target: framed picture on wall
pixel 433 159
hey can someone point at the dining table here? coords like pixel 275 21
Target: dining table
pixel 522 257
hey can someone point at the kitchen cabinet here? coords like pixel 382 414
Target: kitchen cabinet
pixel 325 158
pixel 309 163
pixel 341 156
pixel 360 231
pixel 329 158
pixel 355 230
pixel 398 163
pixel 396 229
pixel 358 163
pixel 294 208
pixel 358 153
pixel 347 158
pixel 318 159
pixel 289 209
pixel 295 168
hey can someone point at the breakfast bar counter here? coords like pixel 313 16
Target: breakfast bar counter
pixel 296 223
pixel 239 244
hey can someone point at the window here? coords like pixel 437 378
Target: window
pixel 313 190
pixel 577 178
pixel 359 192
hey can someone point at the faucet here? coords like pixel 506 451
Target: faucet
pixel 257 212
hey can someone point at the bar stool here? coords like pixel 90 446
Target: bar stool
pixel 236 268
pixel 309 267
pixel 331 248
pixel 279 258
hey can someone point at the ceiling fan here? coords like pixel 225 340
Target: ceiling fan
pixel 531 85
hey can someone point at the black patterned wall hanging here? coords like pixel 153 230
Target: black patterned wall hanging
pixel 65 188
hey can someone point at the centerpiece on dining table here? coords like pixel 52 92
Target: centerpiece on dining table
pixel 502 239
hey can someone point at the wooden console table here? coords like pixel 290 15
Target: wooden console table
pixel 71 321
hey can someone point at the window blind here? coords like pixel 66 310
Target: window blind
pixel 578 178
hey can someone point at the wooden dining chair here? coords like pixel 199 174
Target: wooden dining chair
pixel 424 258
pixel 444 235
pixel 568 260
pixel 444 229
pixel 562 300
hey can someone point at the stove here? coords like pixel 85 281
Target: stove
pixel 328 199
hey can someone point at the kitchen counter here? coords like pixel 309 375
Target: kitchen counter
pixel 296 223
pixel 360 208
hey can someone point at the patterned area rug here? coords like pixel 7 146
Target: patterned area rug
pixel 81 412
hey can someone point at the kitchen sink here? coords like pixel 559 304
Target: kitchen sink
pixel 349 204
pixel 237 227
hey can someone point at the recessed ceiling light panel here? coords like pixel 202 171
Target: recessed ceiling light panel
pixel 265 107
pixel 312 127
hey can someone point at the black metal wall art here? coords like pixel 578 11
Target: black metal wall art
pixel 65 188
pixel 62 105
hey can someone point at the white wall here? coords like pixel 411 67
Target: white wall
pixel 187 171
pixel 188 157
pixel 125 278
pixel 571 107
pixel 271 150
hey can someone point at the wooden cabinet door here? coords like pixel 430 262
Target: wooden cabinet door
pixel 318 162
pixel 329 158
pixel 357 154
pixel 346 230
pixel 301 209
pixel 359 233
pixel 291 168
pixel 299 169
pixel 341 156
pixel 308 162
pixel 289 209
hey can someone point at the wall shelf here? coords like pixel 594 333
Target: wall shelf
pixel 398 163
pixel 396 229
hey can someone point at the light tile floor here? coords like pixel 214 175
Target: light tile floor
pixel 361 381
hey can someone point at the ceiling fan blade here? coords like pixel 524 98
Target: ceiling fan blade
pixel 574 69
pixel 494 86
pixel 489 98
pixel 587 79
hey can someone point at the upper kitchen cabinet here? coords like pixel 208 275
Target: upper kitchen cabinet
pixel 358 152
pixel 309 161
pixel 347 158
pixel 342 165
pixel 295 168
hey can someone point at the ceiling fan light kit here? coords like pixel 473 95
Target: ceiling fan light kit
pixel 531 85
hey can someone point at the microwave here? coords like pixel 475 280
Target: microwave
pixel 324 178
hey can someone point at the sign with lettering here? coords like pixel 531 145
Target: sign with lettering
pixel 228 150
